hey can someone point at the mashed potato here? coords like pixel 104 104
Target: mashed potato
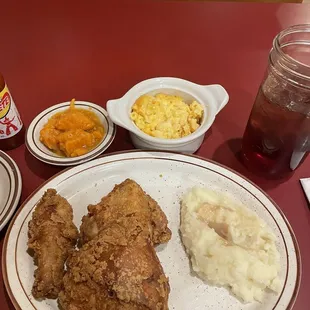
pixel 229 245
pixel 166 116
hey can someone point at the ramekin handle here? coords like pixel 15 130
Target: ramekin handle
pixel 220 94
pixel 117 113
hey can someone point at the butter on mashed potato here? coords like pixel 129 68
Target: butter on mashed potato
pixel 166 116
pixel 229 245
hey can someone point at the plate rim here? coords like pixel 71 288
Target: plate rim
pixel 288 225
pixel 18 189
pixel 75 160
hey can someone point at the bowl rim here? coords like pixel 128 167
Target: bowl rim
pixel 31 141
pixel 158 83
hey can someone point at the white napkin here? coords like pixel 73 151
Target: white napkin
pixel 305 183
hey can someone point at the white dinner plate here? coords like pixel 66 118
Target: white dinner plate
pixel 166 177
pixel 10 188
pixel 41 152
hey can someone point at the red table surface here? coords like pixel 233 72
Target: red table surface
pixel 95 51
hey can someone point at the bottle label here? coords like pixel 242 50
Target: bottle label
pixel 10 121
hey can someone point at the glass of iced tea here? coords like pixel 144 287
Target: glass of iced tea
pixel 277 136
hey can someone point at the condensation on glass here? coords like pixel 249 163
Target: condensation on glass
pixel 277 136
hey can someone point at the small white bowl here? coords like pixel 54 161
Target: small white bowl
pixel 213 98
pixel 41 152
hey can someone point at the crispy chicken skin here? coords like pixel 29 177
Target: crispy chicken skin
pixel 132 208
pixel 111 273
pixel 51 236
pixel 117 267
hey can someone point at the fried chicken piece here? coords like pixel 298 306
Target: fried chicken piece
pixel 127 204
pixel 110 273
pixel 117 267
pixel 51 236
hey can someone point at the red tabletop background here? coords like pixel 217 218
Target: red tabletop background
pixel 52 51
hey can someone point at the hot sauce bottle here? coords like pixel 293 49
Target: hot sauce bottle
pixel 11 126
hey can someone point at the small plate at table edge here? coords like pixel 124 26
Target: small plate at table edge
pixel 17 189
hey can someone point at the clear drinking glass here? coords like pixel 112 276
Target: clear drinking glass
pixel 277 136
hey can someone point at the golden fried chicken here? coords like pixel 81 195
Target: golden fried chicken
pixel 110 273
pixel 132 208
pixel 117 267
pixel 51 236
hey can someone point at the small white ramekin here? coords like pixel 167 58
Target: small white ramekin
pixel 212 97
